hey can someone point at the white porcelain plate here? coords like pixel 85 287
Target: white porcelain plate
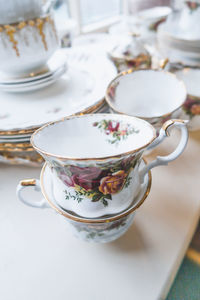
pixel 35 84
pixel 81 88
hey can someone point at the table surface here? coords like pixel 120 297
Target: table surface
pixel 41 260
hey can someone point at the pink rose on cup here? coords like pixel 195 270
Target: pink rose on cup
pixel 87 178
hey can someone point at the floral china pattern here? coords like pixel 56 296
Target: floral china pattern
pixel 97 183
pixel 141 61
pixel 154 26
pixel 97 231
pixel 116 130
pixel 192 5
pixel 192 106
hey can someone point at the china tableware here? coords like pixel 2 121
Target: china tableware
pixel 145 23
pixel 131 55
pixel 103 229
pixel 55 63
pixel 95 159
pixel 152 95
pixel 179 36
pixel 21 41
pixel 153 17
pixel 30 158
pixel 35 84
pixel 20 112
pixel 191 107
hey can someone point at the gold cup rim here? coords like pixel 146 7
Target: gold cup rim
pixel 132 70
pixel 118 216
pixel 60 157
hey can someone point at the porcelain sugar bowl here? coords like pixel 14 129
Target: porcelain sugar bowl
pixel 131 55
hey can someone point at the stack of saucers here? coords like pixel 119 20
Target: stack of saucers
pixel 95 176
pixel 55 67
pixel 179 37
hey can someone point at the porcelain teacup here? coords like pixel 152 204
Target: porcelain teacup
pixel 99 230
pixel 153 95
pixel 95 159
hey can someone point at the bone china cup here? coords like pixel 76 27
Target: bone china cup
pixel 95 159
pixel 99 230
pixel 153 95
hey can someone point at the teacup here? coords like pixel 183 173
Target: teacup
pixel 153 95
pixel 191 107
pixel 99 230
pixel 27 45
pixel 95 159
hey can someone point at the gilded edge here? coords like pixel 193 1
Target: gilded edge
pixel 28 182
pixel 129 71
pixel 90 158
pixel 91 109
pixel 169 123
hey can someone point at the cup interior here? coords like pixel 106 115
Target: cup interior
pixel 146 93
pixel 93 136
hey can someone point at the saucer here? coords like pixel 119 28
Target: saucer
pixel 55 63
pixel 47 191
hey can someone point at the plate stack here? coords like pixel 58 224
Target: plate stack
pixel 179 37
pixel 55 67
pixel 28 108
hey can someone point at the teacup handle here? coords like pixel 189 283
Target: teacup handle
pixel 30 183
pixel 164 160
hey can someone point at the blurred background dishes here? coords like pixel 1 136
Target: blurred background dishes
pixel 179 37
pixel 131 55
pixel 22 113
pixel 27 27
pixel 191 107
pixel 143 23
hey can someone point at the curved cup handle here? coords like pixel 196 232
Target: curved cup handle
pixel 164 160
pixel 30 183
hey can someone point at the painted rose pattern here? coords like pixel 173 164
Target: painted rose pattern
pixel 116 131
pixel 154 26
pixel 192 106
pixel 96 183
pixel 139 62
pixel 97 231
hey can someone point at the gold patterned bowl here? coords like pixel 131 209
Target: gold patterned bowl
pixel 26 46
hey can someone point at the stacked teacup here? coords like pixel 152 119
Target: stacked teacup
pixel 94 175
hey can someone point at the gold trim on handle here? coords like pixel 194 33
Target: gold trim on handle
pixel 169 123
pixel 28 182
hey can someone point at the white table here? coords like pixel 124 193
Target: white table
pixel 39 260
